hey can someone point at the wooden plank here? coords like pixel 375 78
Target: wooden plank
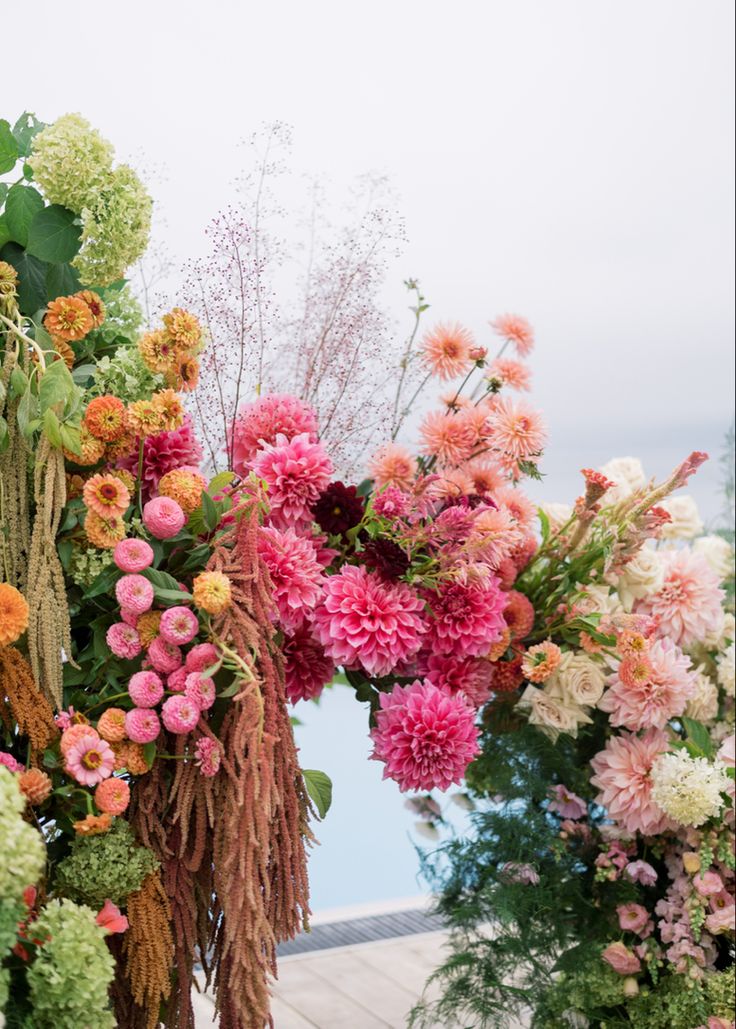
pixel 346 971
pixel 306 991
pixel 286 1017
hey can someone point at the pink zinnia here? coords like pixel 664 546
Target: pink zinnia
pixel 296 574
pixel 466 617
pixel 176 681
pixel 200 689
pixel 296 472
pixel 307 668
pixel 163 453
pixel 145 689
pixel 516 430
pixel 688 604
pixel 393 465
pixel 9 762
pixel 278 414
pixel 364 620
pixel 180 714
pixel 123 640
pixel 622 779
pixel 90 760
pixel 132 555
pixel 202 656
pixel 165 657
pixel 178 625
pixel 468 675
pixel 512 373
pixel 567 804
pixel 142 725
pixel 450 438
pixel 134 593
pixel 516 330
pixel 163 517
pixel 446 351
pixel 660 693
pixel 426 736
pixel 207 756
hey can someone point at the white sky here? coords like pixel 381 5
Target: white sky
pixel 569 159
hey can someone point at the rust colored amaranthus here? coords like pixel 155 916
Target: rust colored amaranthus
pixel 22 704
pixel 232 847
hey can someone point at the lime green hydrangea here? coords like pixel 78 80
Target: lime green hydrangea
pixel 72 972
pixel 681 1003
pixel 86 564
pixel 124 375
pixel 116 225
pixel 23 858
pixel 108 866
pixel 71 161
pixel 123 318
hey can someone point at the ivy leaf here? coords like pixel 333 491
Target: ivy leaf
pixel 319 788
pixel 24 132
pixel 61 281
pixel 53 235
pixel 21 206
pixel 8 148
pixel 31 277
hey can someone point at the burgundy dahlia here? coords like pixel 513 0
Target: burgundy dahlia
pixel 385 557
pixel 338 509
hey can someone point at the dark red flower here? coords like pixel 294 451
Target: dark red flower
pixel 386 557
pixel 338 509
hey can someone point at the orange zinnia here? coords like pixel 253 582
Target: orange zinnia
pixel 95 305
pixel 92 449
pixel 92 825
pixel 105 418
pixel 13 614
pixel 169 405
pixel 145 418
pixel 106 495
pixel 68 318
pixel 212 592
pixel 104 532
pixel 158 350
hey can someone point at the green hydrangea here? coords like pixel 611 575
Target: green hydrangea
pixel 71 161
pixel 86 564
pixel 125 376
pixel 70 977
pixel 22 858
pixel 123 318
pixel 110 865
pixel 116 224
pixel 680 1003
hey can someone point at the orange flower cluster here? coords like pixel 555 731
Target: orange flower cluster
pixel 164 412
pixel 13 614
pixel 70 319
pixel 172 351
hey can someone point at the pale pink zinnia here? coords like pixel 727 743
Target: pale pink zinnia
pixel 425 736
pixel 688 603
pixel 512 373
pixel 517 330
pixel 201 656
pixel 296 472
pixel 134 593
pixel 661 692
pixel 364 620
pixel 515 429
pixel 296 574
pixel 145 689
pixel 450 438
pixel 263 421
pixel 200 689
pixel 165 657
pixel 207 756
pixel 621 776
pixel 123 640
pixel 132 555
pixel 90 760
pixel 393 465
pixel 180 714
pixel 178 625
pixel 466 619
pixel 446 351
pixel 163 517
pixel 307 669
pixel 142 725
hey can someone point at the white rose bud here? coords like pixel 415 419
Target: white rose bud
pixel 579 679
pixel 686 522
pixel 627 473
pixel 641 577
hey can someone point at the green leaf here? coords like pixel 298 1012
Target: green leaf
pixel 162 580
pixel 61 281
pixel 219 482
pixel 698 735
pixel 210 513
pixel 65 549
pixel 52 428
pixel 28 414
pixel 4 187
pixel 149 753
pixel 104 582
pixel 544 523
pixel 70 439
pixel 8 148
pixel 56 385
pixel 3 435
pixel 82 373
pixel 53 235
pixel 4 231
pixel 319 788
pixel 31 277
pixel 25 130
pixel 171 596
pixel 21 207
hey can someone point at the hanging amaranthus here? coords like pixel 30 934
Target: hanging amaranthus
pixel 15 540
pixel 22 704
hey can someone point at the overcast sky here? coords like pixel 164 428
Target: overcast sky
pixel 567 159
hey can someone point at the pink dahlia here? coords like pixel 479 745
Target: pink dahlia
pixel 622 778
pixel 145 689
pixel 123 640
pixel 512 373
pixel 134 593
pixel 200 689
pixel 519 506
pixel 163 453
pixel 165 657
pixel 296 574
pixel 468 675
pixel 688 604
pixel 296 471
pixel 516 430
pixel 425 736
pixel 278 414
pixel 132 555
pixel 659 693
pixel 392 503
pixel 517 330
pixel 180 714
pixel 393 465
pixel 9 762
pixel 364 620
pixel 163 517
pixel 466 617
pixel 178 625
pixel 495 537
pixel 90 760
pixel 307 668
pixel 142 725
pixel 450 438
pixel 201 656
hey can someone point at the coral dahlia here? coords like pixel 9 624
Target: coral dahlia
pixel 262 422
pixel 446 351
pixel 647 692
pixel 622 776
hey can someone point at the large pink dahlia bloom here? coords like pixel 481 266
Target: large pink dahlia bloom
pixel 469 675
pixel 296 471
pixel 426 736
pixel 296 574
pixel 622 778
pixel 364 620
pixel 640 703
pixel 263 421
pixel 688 604
pixel 307 669
pixel 467 618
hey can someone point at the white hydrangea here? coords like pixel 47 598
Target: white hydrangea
pixel 688 789
pixel 627 473
pixel 578 680
pixel 703 705
pixel 717 552
pixel 21 846
pixel 686 522
pixel 727 670
pixel 557 514
pixel 641 577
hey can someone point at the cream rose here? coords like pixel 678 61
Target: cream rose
pixel 641 577
pixel 627 473
pixel 550 715
pixel 579 680
pixel 703 705
pixel 557 515
pixel 686 522
pixel 717 552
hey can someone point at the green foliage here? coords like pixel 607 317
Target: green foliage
pixel 110 866
pixel 679 1003
pixel 319 788
pixel 125 376
pixel 54 235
